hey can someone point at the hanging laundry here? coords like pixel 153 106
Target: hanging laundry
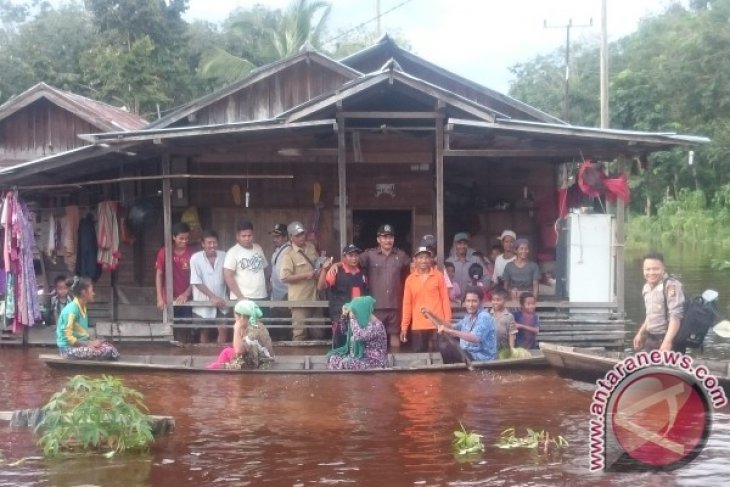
pixel 107 232
pixel 87 249
pixel 70 236
pixel 593 181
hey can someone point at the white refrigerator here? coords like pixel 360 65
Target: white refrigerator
pixel 591 258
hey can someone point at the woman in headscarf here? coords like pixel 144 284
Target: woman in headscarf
pixel 366 343
pixel 252 347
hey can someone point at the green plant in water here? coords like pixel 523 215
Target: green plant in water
pixel 95 415
pixel 467 442
pixel 533 439
pixel 517 352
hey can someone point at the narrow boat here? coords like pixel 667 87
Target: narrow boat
pixel 286 364
pixel 591 364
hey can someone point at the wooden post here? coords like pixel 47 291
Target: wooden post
pixel 167 232
pixel 439 153
pixel 342 176
pixel 620 247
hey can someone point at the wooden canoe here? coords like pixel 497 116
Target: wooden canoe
pixel 285 364
pixel 591 364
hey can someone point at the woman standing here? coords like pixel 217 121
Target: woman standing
pixel 522 275
pixel 366 343
pixel 72 330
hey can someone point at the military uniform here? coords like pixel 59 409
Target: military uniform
pixel 657 315
pixel 298 260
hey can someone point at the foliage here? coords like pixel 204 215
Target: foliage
pixel 532 439
pixel 95 414
pixel 517 352
pixel 467 442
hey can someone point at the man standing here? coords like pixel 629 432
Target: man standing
pixel 244 265
pixel 463 260
pixel 181 254
pixel 508 238
pixel 664 302
pixel 385 267
pixel 280 237
pixel 299 271
pixel 206 278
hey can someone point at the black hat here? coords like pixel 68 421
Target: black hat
pixel 279 229
pixel 350 248
pixel 386 230
pixel 421 250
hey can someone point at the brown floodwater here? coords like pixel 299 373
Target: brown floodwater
pixel 301 430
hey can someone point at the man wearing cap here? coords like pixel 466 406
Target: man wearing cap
pixel 299 272
pixel 508 238
pixel 244 265
pixel 344 281
pixel 280 237
pixel 463 260
pixel 385 267
pixel 424 288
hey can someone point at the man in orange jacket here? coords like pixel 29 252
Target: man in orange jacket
pixel 424 288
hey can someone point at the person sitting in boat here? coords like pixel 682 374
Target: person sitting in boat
pixel 252 347
pixel 527 322
pixel 72 329
pixel 476 331
pixel 366 344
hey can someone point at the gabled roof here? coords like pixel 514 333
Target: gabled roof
pixel 390 74
pixel 386 48
pixel 104 117
pixel 256 75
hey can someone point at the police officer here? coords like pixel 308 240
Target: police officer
pixel 664 301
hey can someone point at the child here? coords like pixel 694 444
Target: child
pixel 60 297
pixel 505 323
pixel 527 322
pixel 454 290
pixel 494 252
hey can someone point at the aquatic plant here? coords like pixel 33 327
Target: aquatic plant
pixel 533 439
pixel 467 442
pixel 517 352
pixel 95 415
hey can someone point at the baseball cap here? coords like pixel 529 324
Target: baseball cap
pixel 428 241
pixel 279 229
pixel 350 248
pixel 508 233
pixel 461 236
pixel 386 230
pixel 295 228
pixel 420 250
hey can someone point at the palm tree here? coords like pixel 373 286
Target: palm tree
pixel 302 23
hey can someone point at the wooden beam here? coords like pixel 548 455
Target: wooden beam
pixel 395 115
pixel 155 178
pixel 439 168
pixel 573 152
pixel 620 247
pixel 342 176
pixel 167 232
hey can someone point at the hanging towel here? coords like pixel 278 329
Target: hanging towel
pixel 70 236
pixel 107 232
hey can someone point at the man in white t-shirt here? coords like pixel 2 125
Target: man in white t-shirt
pixel 206 279
pixel 508 238
pixel 244 265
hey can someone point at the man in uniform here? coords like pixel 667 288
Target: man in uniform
pixel 280 237
pixel 385 268
pixel 664 301
pixel 299 271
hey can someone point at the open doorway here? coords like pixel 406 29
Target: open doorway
pixel 365 225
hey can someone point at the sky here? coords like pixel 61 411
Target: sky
pixel 477 39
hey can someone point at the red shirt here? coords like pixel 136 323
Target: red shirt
pixel 180 269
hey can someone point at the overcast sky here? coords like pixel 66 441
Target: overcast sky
pixel 478 39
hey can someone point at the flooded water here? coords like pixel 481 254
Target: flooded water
pixel 391 430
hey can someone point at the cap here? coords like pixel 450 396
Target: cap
pixel 428 241
pixel 508 233
pixel 295 228
pixel 386 230
pixel 350 248
pixel 461 236
pixel 421 250
pixel 279 229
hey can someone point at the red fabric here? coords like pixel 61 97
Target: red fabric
pixel 593 182
pixel 180 269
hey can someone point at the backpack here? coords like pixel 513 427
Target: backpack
pixel 699 316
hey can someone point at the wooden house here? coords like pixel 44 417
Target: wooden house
pixel 385 136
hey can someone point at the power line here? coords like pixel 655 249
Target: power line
pixel 376 18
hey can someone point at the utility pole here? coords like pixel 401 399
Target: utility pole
pixel 605 116
pixel 566 85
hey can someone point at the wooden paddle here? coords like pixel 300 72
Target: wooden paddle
pixel 439 322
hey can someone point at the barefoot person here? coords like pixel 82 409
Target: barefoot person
pixel 72 330
pixel 252 347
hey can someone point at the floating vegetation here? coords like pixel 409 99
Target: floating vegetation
pixel 540 440
pixel 100 415
pixel 517 352
pixel 467 442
